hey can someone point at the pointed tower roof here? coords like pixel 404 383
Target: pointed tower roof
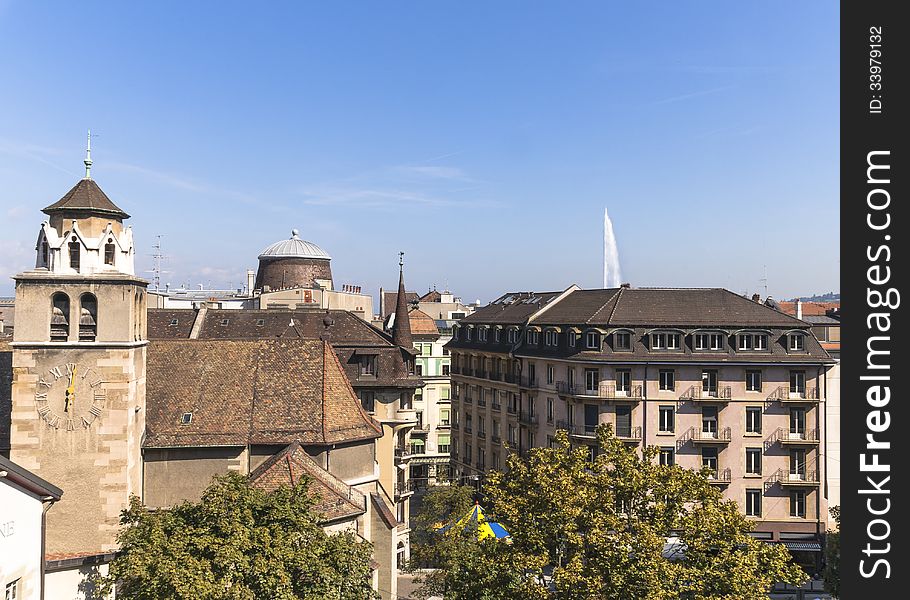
pixel 86 196
pixel 401 331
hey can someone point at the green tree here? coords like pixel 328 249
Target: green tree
pixel 238 543
pixel 832 556
pixel 598 530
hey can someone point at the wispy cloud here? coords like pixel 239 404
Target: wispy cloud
pixel 689 96
pixel 434 172
pixel 41 154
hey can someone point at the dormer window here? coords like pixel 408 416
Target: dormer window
pixel 497 334
pixel 592 340
pixel 368 364
pixel 482 334
pixel 455 332
pixel 570 337
pixel 709 341
pixel 796 342
pixel 533 337
pixel 467 334
pixel 752 341
pixel 551 338
pixel 109 250
pixel 665 341
pixel 513 335
pixel 622 340
pixel 173 323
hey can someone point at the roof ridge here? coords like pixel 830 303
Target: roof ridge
pixel 618 296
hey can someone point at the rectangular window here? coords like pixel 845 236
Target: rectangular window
pixel 753 461
pixel 496 335
pixel 797 422
pixel 74 248
pixel 495 430
pixel 570 376
pixel 658 341
pixel 667 380
pixel 592 380
pixel 419 371
pixel 368 401
pixel 549 410
pixel 709 382
pixel 481 457
pixel 667 456
pixel 467 452
pixel 551 339
pixel 513 437
pixel 716 341
pixel 667 418
pixel 444 416
pixel 570 336
pixel 753 419
pixel 672 341
pixel 623 381
pixel 495 461
pixel 12 590
pixel 753 381
pixel 798 464
pixel 592 340
pixel 405 403
pixel 753 503
pixel 701 341
pixel 798 504
pixel 745 341
pixel 623 340
pixel 797 342
pixel 709 458
pixel 709 421
pixel 551 374
pixel 797 383
pixel 761 342
pixel 469 422
pixel 445 369
pixel 368 364
pixel 109 250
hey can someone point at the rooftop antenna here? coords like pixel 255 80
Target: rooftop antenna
pixel 401 261
pixel 88 156
pixel 156 270
pixel 764 280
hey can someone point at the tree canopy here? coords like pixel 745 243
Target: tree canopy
pixel 583 530
pixel 238 543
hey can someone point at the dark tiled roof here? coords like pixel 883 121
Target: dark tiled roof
pixel 432 296
pixel 511 308
pixel 170 324
pixel 334 498
pixel 250 392
pixel 581 306
pixel 389 299
pixel 86 196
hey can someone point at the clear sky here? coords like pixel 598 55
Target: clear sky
pixel 482 138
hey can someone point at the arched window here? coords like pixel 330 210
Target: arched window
pixel 88 318
pixel 109 251
pixel 60 317
pixel 75 253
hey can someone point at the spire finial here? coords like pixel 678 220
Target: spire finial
pixel 401 260
pixel 88 156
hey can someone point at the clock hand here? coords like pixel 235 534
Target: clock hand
pixel 70 391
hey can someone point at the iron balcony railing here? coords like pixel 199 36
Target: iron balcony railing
pixel 481 401
pixel 785 393
pixel 530 382
pixel 497 406
pixel 527 418
pixel 512 410
pixel 720 477
pixel 629 433
pixel 801 478
pixel 713 394
pixel 509 378
pixel 787 437
pixel 715 436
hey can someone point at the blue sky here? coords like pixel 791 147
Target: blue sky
pixel 483 139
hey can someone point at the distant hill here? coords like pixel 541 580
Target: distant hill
pixel 828 297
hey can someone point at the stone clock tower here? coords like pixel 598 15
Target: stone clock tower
pixel 79 356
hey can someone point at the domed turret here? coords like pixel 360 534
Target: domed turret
pixel 293 263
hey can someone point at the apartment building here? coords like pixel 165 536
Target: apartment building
pixel 711 378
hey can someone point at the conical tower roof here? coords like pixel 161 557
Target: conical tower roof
pixel 401 330
pixel 86 196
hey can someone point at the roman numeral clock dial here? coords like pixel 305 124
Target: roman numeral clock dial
pixel 70 396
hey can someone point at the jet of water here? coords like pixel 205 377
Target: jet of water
pixel 612 275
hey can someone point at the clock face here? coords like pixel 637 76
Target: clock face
pixel 70 396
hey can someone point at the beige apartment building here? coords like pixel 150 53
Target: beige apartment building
pixel 713 379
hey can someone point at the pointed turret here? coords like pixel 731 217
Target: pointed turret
pixel 401 330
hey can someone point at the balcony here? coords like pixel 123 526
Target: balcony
pixel 804 478
pixel 402 454
pixel 709 438
pixel 444 425
pixel 509 378
pixel 609 389
pixel 455 370
pixel 404 488
pixel 497 406
pixel 569 389
pixel 496 439
pixel 421 429
pixel 526 418
pixel 588 431
pixel 796 438
pixel 468 400
pixel 468 371
pixel 629 434
pixel 512 410
pixel 482 434
pixel 482 374
pixel 697 393
pixel 785 394
pixel 722 477
pixel 528 382
pixel 496 375
pixel 481 401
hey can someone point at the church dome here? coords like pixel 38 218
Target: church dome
pixel 294 248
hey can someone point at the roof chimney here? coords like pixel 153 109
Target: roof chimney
pixel 756 298
pixel 799 308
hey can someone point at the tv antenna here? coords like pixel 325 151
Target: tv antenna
pixel 764 280
pixel 157 259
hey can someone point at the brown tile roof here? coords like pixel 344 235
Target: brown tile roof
pixel 422 324
pixel 431 296
pixel 810 308
pixel 347 334
pixel 250 392
pixel 334 498
pixel 86 196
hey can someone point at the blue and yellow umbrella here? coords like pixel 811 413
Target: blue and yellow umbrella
pixel 475 521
